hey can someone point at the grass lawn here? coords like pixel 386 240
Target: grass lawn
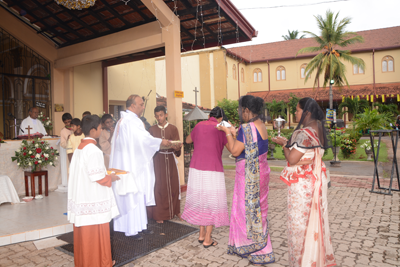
pixel 358 156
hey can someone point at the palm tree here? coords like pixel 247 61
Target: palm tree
pixel 354 106
pixel 329 60
pixel 292 35
pixel 276 108
pixel 386 108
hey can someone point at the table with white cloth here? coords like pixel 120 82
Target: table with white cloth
pixel 7 190
pixel 10 168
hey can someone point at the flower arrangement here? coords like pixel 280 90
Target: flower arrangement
pixel 367 145
pixel 48 125
pixel 348 147
pixel 35 153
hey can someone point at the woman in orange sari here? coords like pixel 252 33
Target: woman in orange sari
pixel 309 239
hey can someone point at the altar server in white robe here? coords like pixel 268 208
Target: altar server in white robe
pixel 132 149
pixel 33 122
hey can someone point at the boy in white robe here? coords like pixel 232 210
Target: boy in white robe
pixel 91 202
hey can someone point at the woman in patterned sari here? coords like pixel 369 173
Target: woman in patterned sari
pixel 248 234
pixel 309 239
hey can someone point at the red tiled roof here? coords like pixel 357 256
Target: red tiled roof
pixel 162 101
pixel 386 89
pixel 379 39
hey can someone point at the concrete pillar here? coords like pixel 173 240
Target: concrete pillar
pixel 171 37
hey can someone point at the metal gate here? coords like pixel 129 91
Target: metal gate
pixel 25 83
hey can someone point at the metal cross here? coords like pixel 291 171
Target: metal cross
pixel 195 95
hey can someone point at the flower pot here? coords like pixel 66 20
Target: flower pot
pixel 37 168
pixel 369 154
pixel 336 156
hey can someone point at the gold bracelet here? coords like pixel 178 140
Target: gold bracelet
pixel 228 135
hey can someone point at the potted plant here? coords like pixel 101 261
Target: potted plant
pixel 372 120
pixel 368 149
pixel 35 154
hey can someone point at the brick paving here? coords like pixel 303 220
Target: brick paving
pixel 365 230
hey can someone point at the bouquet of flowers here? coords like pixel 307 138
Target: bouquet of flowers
pixel 35 153
pixel 48 125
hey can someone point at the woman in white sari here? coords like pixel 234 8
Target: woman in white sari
pixel 309 239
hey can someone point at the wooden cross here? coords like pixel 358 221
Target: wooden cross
pixel 195 95
pixel 29 132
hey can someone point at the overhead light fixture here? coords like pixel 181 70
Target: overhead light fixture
pixel 76 4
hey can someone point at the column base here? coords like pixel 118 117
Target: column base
pixel 62 188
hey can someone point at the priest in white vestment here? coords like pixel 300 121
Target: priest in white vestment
pixel 132 149
pixel 33 122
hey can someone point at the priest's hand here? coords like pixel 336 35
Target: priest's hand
pixel 165 143
pixel 114 177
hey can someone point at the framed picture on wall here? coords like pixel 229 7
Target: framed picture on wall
pixel 58 107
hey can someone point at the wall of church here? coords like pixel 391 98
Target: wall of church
pixel 231 67
pixel 389 76
pixel 134 78
pixel 220 81
pixel 205 65
pixel 88 89
pixel 190 72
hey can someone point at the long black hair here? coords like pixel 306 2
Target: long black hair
pixel 311 112
pixel 254 104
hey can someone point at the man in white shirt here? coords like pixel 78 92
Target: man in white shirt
pixel 33 122
pixel 132 149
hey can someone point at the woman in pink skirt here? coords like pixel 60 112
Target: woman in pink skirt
pixel 206 203
pixel 249 231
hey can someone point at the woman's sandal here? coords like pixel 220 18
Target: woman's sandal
pixel 211 245
pixel 200 241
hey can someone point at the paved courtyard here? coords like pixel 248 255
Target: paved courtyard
pixel 365 231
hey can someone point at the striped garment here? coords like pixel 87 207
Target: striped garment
pixel 206 199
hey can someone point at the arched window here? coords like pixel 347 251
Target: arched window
pixel 242 75
pixel 234 71
pixel 388 64
pixel 257 75
pixel 303 70
pixel 357 69
pixel 280 73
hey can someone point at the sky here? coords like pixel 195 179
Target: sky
pixel 280 16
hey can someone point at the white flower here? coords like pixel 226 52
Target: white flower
pixel 47 117
pixel 47 123
pixel 30 164
pixel 18 163
pixel 47 147
pixel 39 161
pixel 36 145
pixel 30 152
pixel 37 156
pixel 51 163
pixel 46 155
pixel 56 158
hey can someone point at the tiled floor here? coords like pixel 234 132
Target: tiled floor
pixel 34 220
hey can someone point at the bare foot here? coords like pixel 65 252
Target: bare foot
pixel 160 221
pixel 180 218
